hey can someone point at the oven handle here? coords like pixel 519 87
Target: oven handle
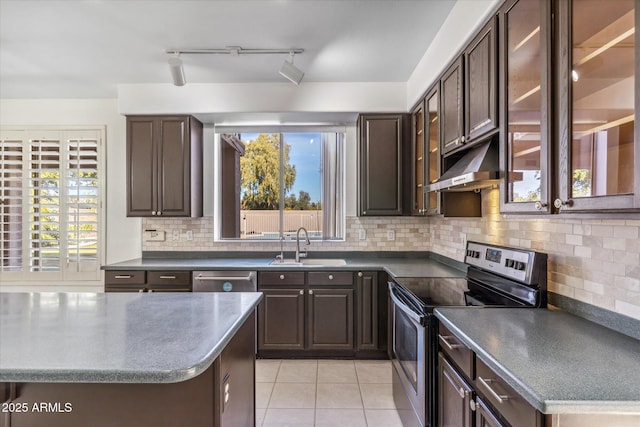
pixel 401 305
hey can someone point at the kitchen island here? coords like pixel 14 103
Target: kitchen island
pixel 71 359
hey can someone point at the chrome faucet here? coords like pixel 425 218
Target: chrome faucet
pixel 307 243
pixel 280 257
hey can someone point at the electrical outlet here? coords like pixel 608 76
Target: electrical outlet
pixel 189 234
pixel 391 235
pixel 153 236
pixel 362 234
pixel 176 235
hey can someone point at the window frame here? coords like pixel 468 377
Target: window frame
pixel 341 135
pixel 69 272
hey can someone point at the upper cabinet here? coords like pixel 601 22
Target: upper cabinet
pixel 598 102
pixel 164 166
pixel 418 160
pixel 432 149
pixel 382 161
pixel 469 91
pixel 525 106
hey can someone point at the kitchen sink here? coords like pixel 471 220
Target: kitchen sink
pixel 311 261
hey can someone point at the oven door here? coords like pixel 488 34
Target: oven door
pixel 408 356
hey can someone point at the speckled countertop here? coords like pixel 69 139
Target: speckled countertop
pixel 560 363
pixel 397 267
pixel 116 337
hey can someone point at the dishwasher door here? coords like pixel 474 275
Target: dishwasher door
pixel 225 281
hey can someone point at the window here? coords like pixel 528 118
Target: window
pixel 274 183
pixel 50 204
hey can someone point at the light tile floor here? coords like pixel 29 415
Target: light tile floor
pixel 324 393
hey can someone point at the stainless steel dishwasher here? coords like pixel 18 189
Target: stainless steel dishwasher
pixel 225 281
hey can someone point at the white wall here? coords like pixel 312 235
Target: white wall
pixel 461 23
pixel 123 234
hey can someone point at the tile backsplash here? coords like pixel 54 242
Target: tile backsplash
pixel 596 261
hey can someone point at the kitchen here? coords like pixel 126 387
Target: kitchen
pixel 593 256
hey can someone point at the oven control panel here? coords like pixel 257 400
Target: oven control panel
pixel 513 263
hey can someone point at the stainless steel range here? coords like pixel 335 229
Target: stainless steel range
pixel 496 276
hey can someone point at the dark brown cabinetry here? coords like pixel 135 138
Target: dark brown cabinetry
pixel 455 397
pixel 322 313
pixel 147 281
pixel 467 384
pixel 164 166
pixel 598 84
pixel 525 105
pixel 382 163
pixel 367 291
pixel 330 319
pixel 418 160
pixel 469 92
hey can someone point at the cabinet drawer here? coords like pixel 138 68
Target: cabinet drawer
pixel 173 278
pixel 281 278
pixel 121 277
pixel 510 404
pixel 125 288
pixel 459 353
pixel 331 278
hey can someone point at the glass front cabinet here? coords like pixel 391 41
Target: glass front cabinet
pixel 573 146
pixel 598 153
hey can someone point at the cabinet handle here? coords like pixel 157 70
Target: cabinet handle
pixel 282 277
pixel 168 277
pixel 149 290
pixel 310 291
pixel 486 383
pixel 539 205
pixel 301 292
pixel 450 346
pixel 559 203
pixel 461 392
pixel 360 274
pixel 364 212
pixel 472 405
pixel 140 290
pixel 122 276
pixel 462 138
pixel 153 212
pixel 331 277
pixel 159 213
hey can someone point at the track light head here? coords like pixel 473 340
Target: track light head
pixel 177 71
pixel 290 71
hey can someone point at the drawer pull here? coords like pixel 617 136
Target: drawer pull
pixel 168 277
pixel 487 384
pixel 444 340
pixel 122 276
pixel 282 277
pixel 301 292
pixel 310 291
pixel 331 277
pixel 461 391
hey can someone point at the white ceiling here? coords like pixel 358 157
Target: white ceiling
pixel 83 49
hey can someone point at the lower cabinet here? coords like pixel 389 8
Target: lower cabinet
pixel 455 396
pixel 320 313
pixel 281 319
pixel 330 319
pixel 147 281
pixel 484 416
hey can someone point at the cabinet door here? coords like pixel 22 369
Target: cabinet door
pixel 418 160
pixel 432 143
pixel 381 161
pixel 330 319
pixel 173 159
pixel 484 416
pixel 452 94
pixel 367 310
pixel 454 396
pixel 281 319
pixel 141 166
pixel 524 106
pixel 481 112
pixel 598 106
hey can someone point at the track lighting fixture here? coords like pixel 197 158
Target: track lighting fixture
pixel 177 71
pixel 288 70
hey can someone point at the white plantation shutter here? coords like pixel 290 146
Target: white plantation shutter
pixel 82 203
pixel 51 209
pixel 11 178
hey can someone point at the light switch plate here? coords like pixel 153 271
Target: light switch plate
pixel 189 234
pixel 362 234
pixel 154 236
pixel 176 235
pixel 391 235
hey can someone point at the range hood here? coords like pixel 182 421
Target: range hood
pixel 478 168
